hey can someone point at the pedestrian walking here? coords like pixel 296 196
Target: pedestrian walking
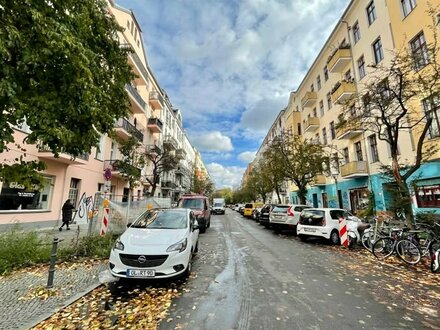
pixel 67 214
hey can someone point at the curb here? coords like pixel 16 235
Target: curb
pixel 68 302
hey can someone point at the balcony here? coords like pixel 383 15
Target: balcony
pixel 355 169
pixel 312 124
pixel 343 91
pixel 351 129
pixel 118 168
pixel 45 152
pixel 309 99
pixel 181 170
pixel 136 100
pixel 156 100
pixel 153 149
pixel 155 125
pixel 140 68
pixel 339 60
pixel 171 142
pixel 168 184
pixel 319 180
pixel 180 153
pixel 124 129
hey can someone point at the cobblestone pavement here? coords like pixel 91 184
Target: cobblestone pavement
pixel 25 301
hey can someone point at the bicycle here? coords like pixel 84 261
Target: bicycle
pixel 405 248
pixel 375 232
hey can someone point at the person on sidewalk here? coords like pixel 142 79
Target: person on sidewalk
pixel 67 214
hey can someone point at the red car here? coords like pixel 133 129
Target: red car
pixel 200 206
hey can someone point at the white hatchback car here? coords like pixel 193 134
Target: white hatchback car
pixel 284 215
pixel 323 222
pixel 159 244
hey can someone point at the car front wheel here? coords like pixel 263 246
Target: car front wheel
pixel 334 238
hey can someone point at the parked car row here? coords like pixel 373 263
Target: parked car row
pixel 305 221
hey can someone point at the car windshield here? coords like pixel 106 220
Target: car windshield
pixel 248 206
pixel 218 204
pixel 191 203
pixel 162 219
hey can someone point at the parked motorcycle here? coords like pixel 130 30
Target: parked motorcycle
pixel 355 230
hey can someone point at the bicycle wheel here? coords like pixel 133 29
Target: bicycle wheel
pixel 383 247
pixel 367 239
pixel 408 251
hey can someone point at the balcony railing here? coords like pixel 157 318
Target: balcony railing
pixel 343 91
pixel 140 65
pixel 168 184
pixel 309 99
pixel 312 124
pixel 153 149
pixel 125 129
pixel 156 100
pixel 155 125
pixel 63 157
pixel 339 59
pixel 171 141
pixel 135 94
pixel 180 153
pixel 354 169
pixel 180 170
pixel 118 167
pixel 351 129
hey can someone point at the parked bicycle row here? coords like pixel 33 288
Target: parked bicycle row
pixel 379 236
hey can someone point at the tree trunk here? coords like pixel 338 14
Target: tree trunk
pixel 404 194
pixel 278 195
pixel 302 194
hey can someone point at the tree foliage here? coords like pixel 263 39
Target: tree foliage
pixel 133 160
pixel 159 162
pixel 298 160
pixel 260 180
pixel 62 72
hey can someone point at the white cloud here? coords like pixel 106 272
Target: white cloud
pixel 212 142
pixel 225 176
pixel 247 156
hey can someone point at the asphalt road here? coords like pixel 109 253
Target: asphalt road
pixel 248 277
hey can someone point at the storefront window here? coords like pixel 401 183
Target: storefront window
pixel 13 196
pixel 428 196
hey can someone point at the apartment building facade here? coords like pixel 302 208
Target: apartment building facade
pixel 149 121
pixel 366 35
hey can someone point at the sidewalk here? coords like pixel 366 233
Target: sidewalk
pixel 25 299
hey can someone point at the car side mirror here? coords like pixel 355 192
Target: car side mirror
pixel 128 225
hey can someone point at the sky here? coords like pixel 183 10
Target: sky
pixel 230 65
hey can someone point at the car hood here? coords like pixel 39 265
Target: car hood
pixel 140 237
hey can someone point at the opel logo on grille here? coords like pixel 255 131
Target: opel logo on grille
pixel 142 259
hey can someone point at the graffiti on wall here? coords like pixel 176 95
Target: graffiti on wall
pixel 85 209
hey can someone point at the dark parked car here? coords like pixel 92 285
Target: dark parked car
pixel 264 214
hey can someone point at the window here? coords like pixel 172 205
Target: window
pixel 100 148
pixel 407 6
pixel 312 88
pixel 113 151
pixel 299 128
pixel 432 110
pixel 356 32
pixel 335 162
pixel 373 148
pixel 347 75
pixel 352 111
pixel 325 73
pixel 358 151
pixel 366 101
pixel 318 82
pixel 324 136
pixel 346 155
pixel 321 108
pixel 361 66
pixel 74 190
pixel 371 13
pixel 377 51
pixel 315 114
pixel 332 130
pixel 329 101
pixel 317 138
pixel 419 51
pixel 428 196
pixel 14 196
pixel 132 28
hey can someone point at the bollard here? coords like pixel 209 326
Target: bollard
pixel 53 259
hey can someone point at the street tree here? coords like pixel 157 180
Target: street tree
pixel 202 184
pixel 272 167
pixel 301 160
pixel 390 107
pixel 62 73
pixel 260 180
pixel 158 162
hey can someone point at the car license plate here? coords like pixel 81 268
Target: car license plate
pixel 141 272
pixel 312 230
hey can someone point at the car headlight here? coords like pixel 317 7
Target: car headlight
pixel 179 246
pixel 118 245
